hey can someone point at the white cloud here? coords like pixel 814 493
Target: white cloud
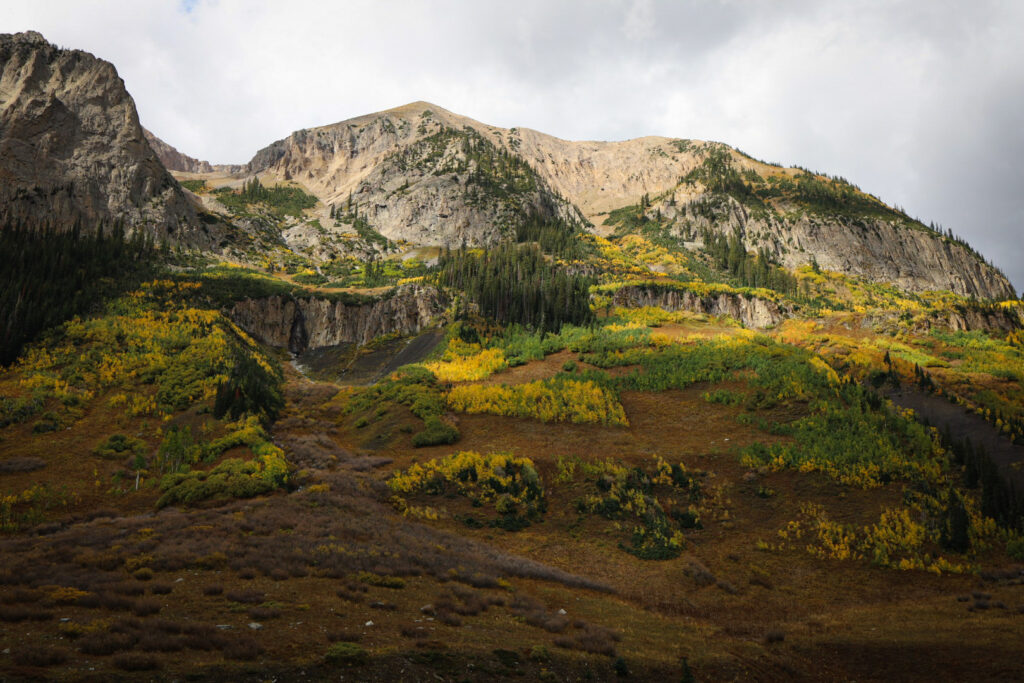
pixel 915 101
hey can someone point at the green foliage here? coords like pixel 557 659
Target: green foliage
pixel 193 185
pixel 178 450
pixel 349 654
pixel 253 387
pixel 555 235
pixel 749 270
pixel 232 478
pixel 1015 548
pixel 508 483
pixel 436 432
pixel 415 387
pixel 280 200
pixel 633 493
pixel 47 276
pixel 516 284
pixel 222 286
pixel 120 446
pixel 853 444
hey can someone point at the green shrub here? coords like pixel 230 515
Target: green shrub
pixel 1015 548
pixel 119 445
pixel 436 432
pixel 349 654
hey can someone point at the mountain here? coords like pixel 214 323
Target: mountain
pixel 173 160
pixel 670 423
pixel 72 148
pixel 425 175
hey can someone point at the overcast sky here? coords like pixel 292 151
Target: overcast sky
pixel 918 102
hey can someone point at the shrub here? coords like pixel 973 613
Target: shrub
pixel 232 478
pixel 242 649
pixel 33 655
pixel 120 446
pixel 143 574
pixel 136 661
pixel 104 643
pixel 509 483
pixel 346 653
pixel 552 400
pixel 435 433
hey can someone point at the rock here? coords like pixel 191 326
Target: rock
pixel 752 311
pixel 255 626
pixel 302 324
pixel 394 164
pixel 562 612
pixel 369 623
pixel 427 609
pixel 173 160
pixel 224 627
pixel 72 148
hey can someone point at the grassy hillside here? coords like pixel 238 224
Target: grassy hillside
pixel 568 488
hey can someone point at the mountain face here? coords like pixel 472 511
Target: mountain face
pixel 427 176
pixel 417 174
pixel 173 160
pixel 71 147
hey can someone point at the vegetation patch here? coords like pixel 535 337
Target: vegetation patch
pixel 508 484
pixel 560 399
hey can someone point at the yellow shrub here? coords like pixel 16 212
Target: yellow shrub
pixel 546 400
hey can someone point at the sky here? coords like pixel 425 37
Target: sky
pixel 916 101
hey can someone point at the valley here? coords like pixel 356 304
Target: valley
pixel 411 397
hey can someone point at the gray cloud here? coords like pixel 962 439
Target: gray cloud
pixel 916 101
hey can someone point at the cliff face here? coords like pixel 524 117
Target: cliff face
pixel 416 174
pixel 912 258
pixel 751 311
pixel 173 160
pixel 303 324
pixel 71 146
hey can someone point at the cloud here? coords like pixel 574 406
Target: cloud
pixel 915 101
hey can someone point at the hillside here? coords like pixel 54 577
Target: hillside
pixel 431 400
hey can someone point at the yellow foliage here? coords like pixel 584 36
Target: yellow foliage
pixel 463 362
pixel 547 401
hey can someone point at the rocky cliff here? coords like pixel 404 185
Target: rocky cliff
pixel 71 147
pixel 300 324
pixel 416 174
pixel 173 160
pixel 752 311
pixel 879 249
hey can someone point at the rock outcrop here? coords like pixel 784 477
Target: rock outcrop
pixel 416 174
pixel 301 324
pixel 72 149
pixel 906 255
pixel 174 160
pixel 752 311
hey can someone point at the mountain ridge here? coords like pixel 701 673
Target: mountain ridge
pixel 72 148
pixel 598 178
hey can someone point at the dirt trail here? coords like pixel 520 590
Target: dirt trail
pixel 940 413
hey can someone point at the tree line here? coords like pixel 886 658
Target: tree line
pixel 516 284
pixel 47 276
